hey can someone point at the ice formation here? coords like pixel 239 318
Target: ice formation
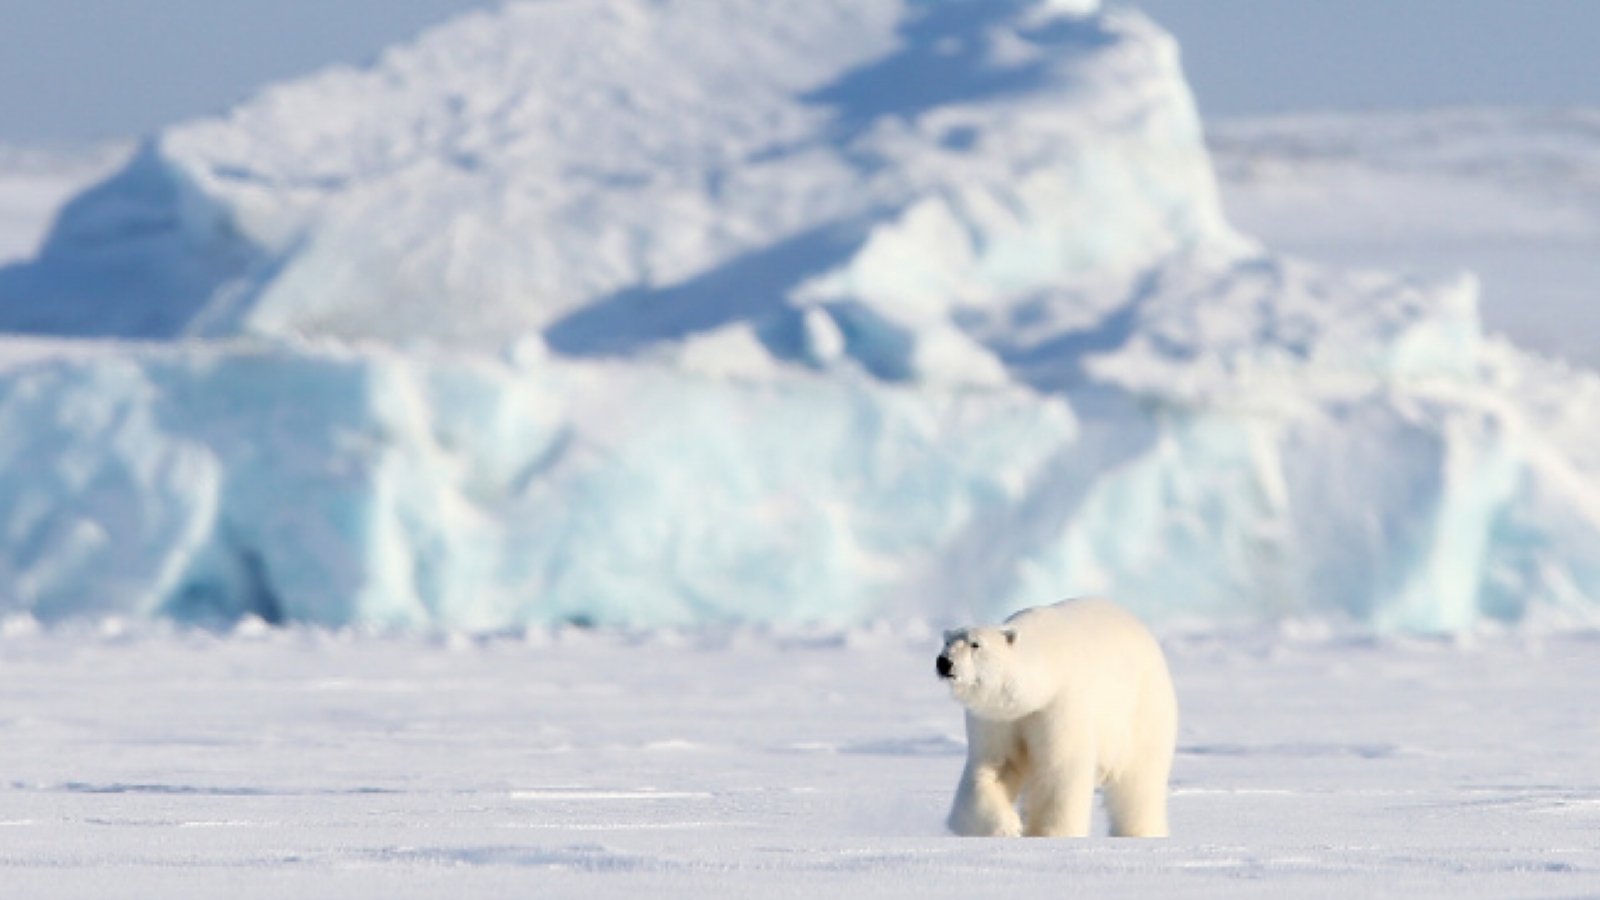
pixel 751 311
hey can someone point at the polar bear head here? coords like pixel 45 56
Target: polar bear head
pixel 985 673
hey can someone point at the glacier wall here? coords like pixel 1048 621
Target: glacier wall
pixel 569 312
pixel 338 487
pixel 343 486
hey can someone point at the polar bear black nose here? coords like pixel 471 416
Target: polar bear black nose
pixel 944 665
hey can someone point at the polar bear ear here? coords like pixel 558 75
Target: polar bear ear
pixel 1011 635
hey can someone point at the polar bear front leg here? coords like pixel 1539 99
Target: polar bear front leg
pixel 985 803
pixel 986 798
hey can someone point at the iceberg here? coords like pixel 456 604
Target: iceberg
pixel 736 311
pixel 337 487
pixel 501 177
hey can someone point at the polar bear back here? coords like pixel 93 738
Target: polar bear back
pixel 1104 672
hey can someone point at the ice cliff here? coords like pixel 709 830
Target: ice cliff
pixel 731 310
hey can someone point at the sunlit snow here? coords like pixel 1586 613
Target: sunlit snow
pixel 738 763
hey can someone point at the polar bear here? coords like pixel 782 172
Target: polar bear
pixel 1061 699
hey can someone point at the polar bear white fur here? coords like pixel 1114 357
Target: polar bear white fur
pixel 1061 699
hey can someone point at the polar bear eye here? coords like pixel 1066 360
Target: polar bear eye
pixel 975 645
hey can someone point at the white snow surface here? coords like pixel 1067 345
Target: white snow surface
pixel 762 763
pixel 683 313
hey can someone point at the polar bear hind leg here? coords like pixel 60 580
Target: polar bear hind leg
pixel 1136 804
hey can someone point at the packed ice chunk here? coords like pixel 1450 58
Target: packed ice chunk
pixel 498 179
pixel 338 487
pixel 1334 443
pixel 37 178
pixel 139 255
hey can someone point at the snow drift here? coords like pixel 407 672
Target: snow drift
pixel 666 313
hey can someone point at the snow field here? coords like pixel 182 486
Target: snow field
pixel 177 763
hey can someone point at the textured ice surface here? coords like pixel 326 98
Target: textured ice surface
pixel 625 172
pixel 341 487
pixel 571 312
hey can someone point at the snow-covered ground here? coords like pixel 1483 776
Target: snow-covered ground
pixel 741 763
